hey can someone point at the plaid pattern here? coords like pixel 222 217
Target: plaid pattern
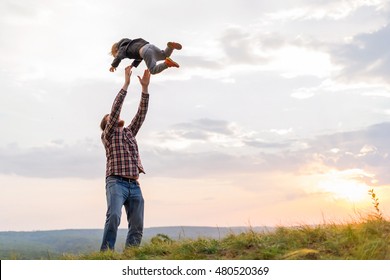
pixel 121 147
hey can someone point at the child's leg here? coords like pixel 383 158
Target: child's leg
pixel 170 47
pixel 168 51
pixel 151 55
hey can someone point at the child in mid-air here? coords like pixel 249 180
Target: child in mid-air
pixel 139 49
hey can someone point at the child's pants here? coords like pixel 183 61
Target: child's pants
pixel 151 54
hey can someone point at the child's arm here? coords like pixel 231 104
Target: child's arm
pixel 136 62
pixel 115 63
pixel 118 58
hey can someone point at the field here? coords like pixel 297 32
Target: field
pixel 367 238
pixel 364 240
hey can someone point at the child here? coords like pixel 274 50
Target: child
pixel 139 49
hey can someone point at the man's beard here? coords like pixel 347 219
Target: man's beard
pixel 121 123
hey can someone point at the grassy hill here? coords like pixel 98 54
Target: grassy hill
pixel 368 239
pixel 364 240
pixel 54 244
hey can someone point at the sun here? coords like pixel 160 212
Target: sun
pixel 346 184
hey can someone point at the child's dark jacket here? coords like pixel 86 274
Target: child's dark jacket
pixel 128 48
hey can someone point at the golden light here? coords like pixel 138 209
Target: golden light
pixel 347 184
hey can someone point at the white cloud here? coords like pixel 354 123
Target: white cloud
pixel 54 160
pixel 282 131
pixel 319 10
pixel 365 57
pixel 331 86
pixel 293 61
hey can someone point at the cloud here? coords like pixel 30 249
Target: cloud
pixel 319 10
pixel 331 86
pixel 206 132
pixel 366 57
pixel 245 46
pixel 54 160
pixel 241 47
pixel 198 61
pixel 25 12
pixel 234 46
pixel 167 163
pixel 215 164
pixel 366 149
pixel 207 125
pixel 207 147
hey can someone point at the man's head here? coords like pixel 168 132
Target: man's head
pixel 106 118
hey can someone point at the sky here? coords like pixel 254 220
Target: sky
pixel 278 115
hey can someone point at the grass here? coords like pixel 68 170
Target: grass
pixel 364 240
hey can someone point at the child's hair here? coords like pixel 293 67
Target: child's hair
pixel 114 49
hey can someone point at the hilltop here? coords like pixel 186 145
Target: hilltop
pixel 55 243
pixel 366 240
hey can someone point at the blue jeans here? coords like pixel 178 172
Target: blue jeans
pixel 123 192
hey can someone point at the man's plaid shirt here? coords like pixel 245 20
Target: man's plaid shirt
pixel 121 147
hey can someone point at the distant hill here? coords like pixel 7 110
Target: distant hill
pixel 54 243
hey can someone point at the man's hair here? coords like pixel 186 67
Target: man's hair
pixel 103 123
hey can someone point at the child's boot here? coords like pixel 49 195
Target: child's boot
pixel 174 45
pixel 170 63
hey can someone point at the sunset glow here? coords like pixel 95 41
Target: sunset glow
pixel 277 115
pixel 345 185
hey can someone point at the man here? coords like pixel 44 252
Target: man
pixel 123 167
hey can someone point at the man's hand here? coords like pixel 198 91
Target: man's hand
pixel 127 77
pixel 112 69
pixel 128 74
pixel 144 81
